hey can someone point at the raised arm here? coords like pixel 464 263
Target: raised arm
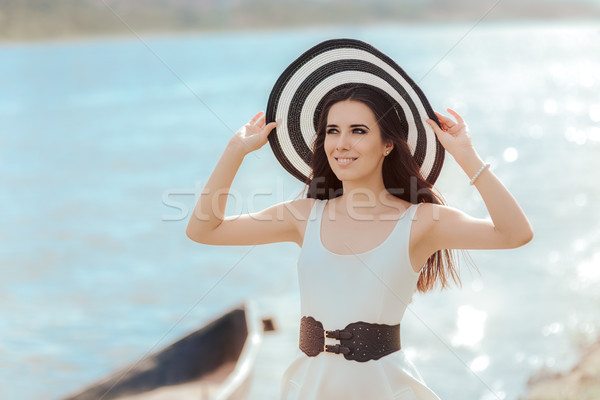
pixel 208 223
pixel 451 228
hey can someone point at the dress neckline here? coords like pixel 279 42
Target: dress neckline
pixel 364 252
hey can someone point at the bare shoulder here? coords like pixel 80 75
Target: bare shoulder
pixel 436 214
pixel 420 242
pixel 428 215
pixel 302 206
pixel 423 220
pixel 427 211
pixel 300 210
pixel 446 227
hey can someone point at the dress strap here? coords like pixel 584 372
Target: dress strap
pixel 312 230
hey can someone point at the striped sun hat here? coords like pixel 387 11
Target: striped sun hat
pixel 299 94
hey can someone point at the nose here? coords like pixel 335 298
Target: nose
pixel 343 142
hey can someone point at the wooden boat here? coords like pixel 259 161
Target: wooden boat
pixel 214 362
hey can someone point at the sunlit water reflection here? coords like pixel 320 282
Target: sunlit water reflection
pixel 103 150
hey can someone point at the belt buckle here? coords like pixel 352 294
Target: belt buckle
pixel 325 332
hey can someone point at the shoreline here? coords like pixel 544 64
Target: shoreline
pixel 159 34
pixel 30 20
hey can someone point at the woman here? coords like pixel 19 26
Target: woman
pixel 371 232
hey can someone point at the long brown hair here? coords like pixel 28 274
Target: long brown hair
pixel 401 174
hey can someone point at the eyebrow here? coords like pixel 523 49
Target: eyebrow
pixel 351 126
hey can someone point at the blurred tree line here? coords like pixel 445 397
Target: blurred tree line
pixel 41 19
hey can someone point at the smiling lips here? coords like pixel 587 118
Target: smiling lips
pixel 345 161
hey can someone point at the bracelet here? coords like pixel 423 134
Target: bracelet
pixel 474 178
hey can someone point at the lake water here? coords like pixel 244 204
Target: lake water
pixel 104 143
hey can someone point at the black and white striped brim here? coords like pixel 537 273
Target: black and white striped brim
pixel 298 95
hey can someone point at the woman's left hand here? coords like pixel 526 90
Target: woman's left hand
pixel 453 135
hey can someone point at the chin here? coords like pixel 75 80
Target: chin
pixel 344 175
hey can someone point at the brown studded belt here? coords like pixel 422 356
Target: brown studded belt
pixel 359 341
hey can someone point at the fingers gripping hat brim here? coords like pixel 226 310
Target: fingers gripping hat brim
pixel 298 95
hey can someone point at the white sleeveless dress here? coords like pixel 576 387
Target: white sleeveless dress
pixel 374 286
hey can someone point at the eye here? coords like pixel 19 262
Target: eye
pixel 359 131
pixel 331 130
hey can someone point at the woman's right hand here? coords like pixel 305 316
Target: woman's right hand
pixel 254 134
